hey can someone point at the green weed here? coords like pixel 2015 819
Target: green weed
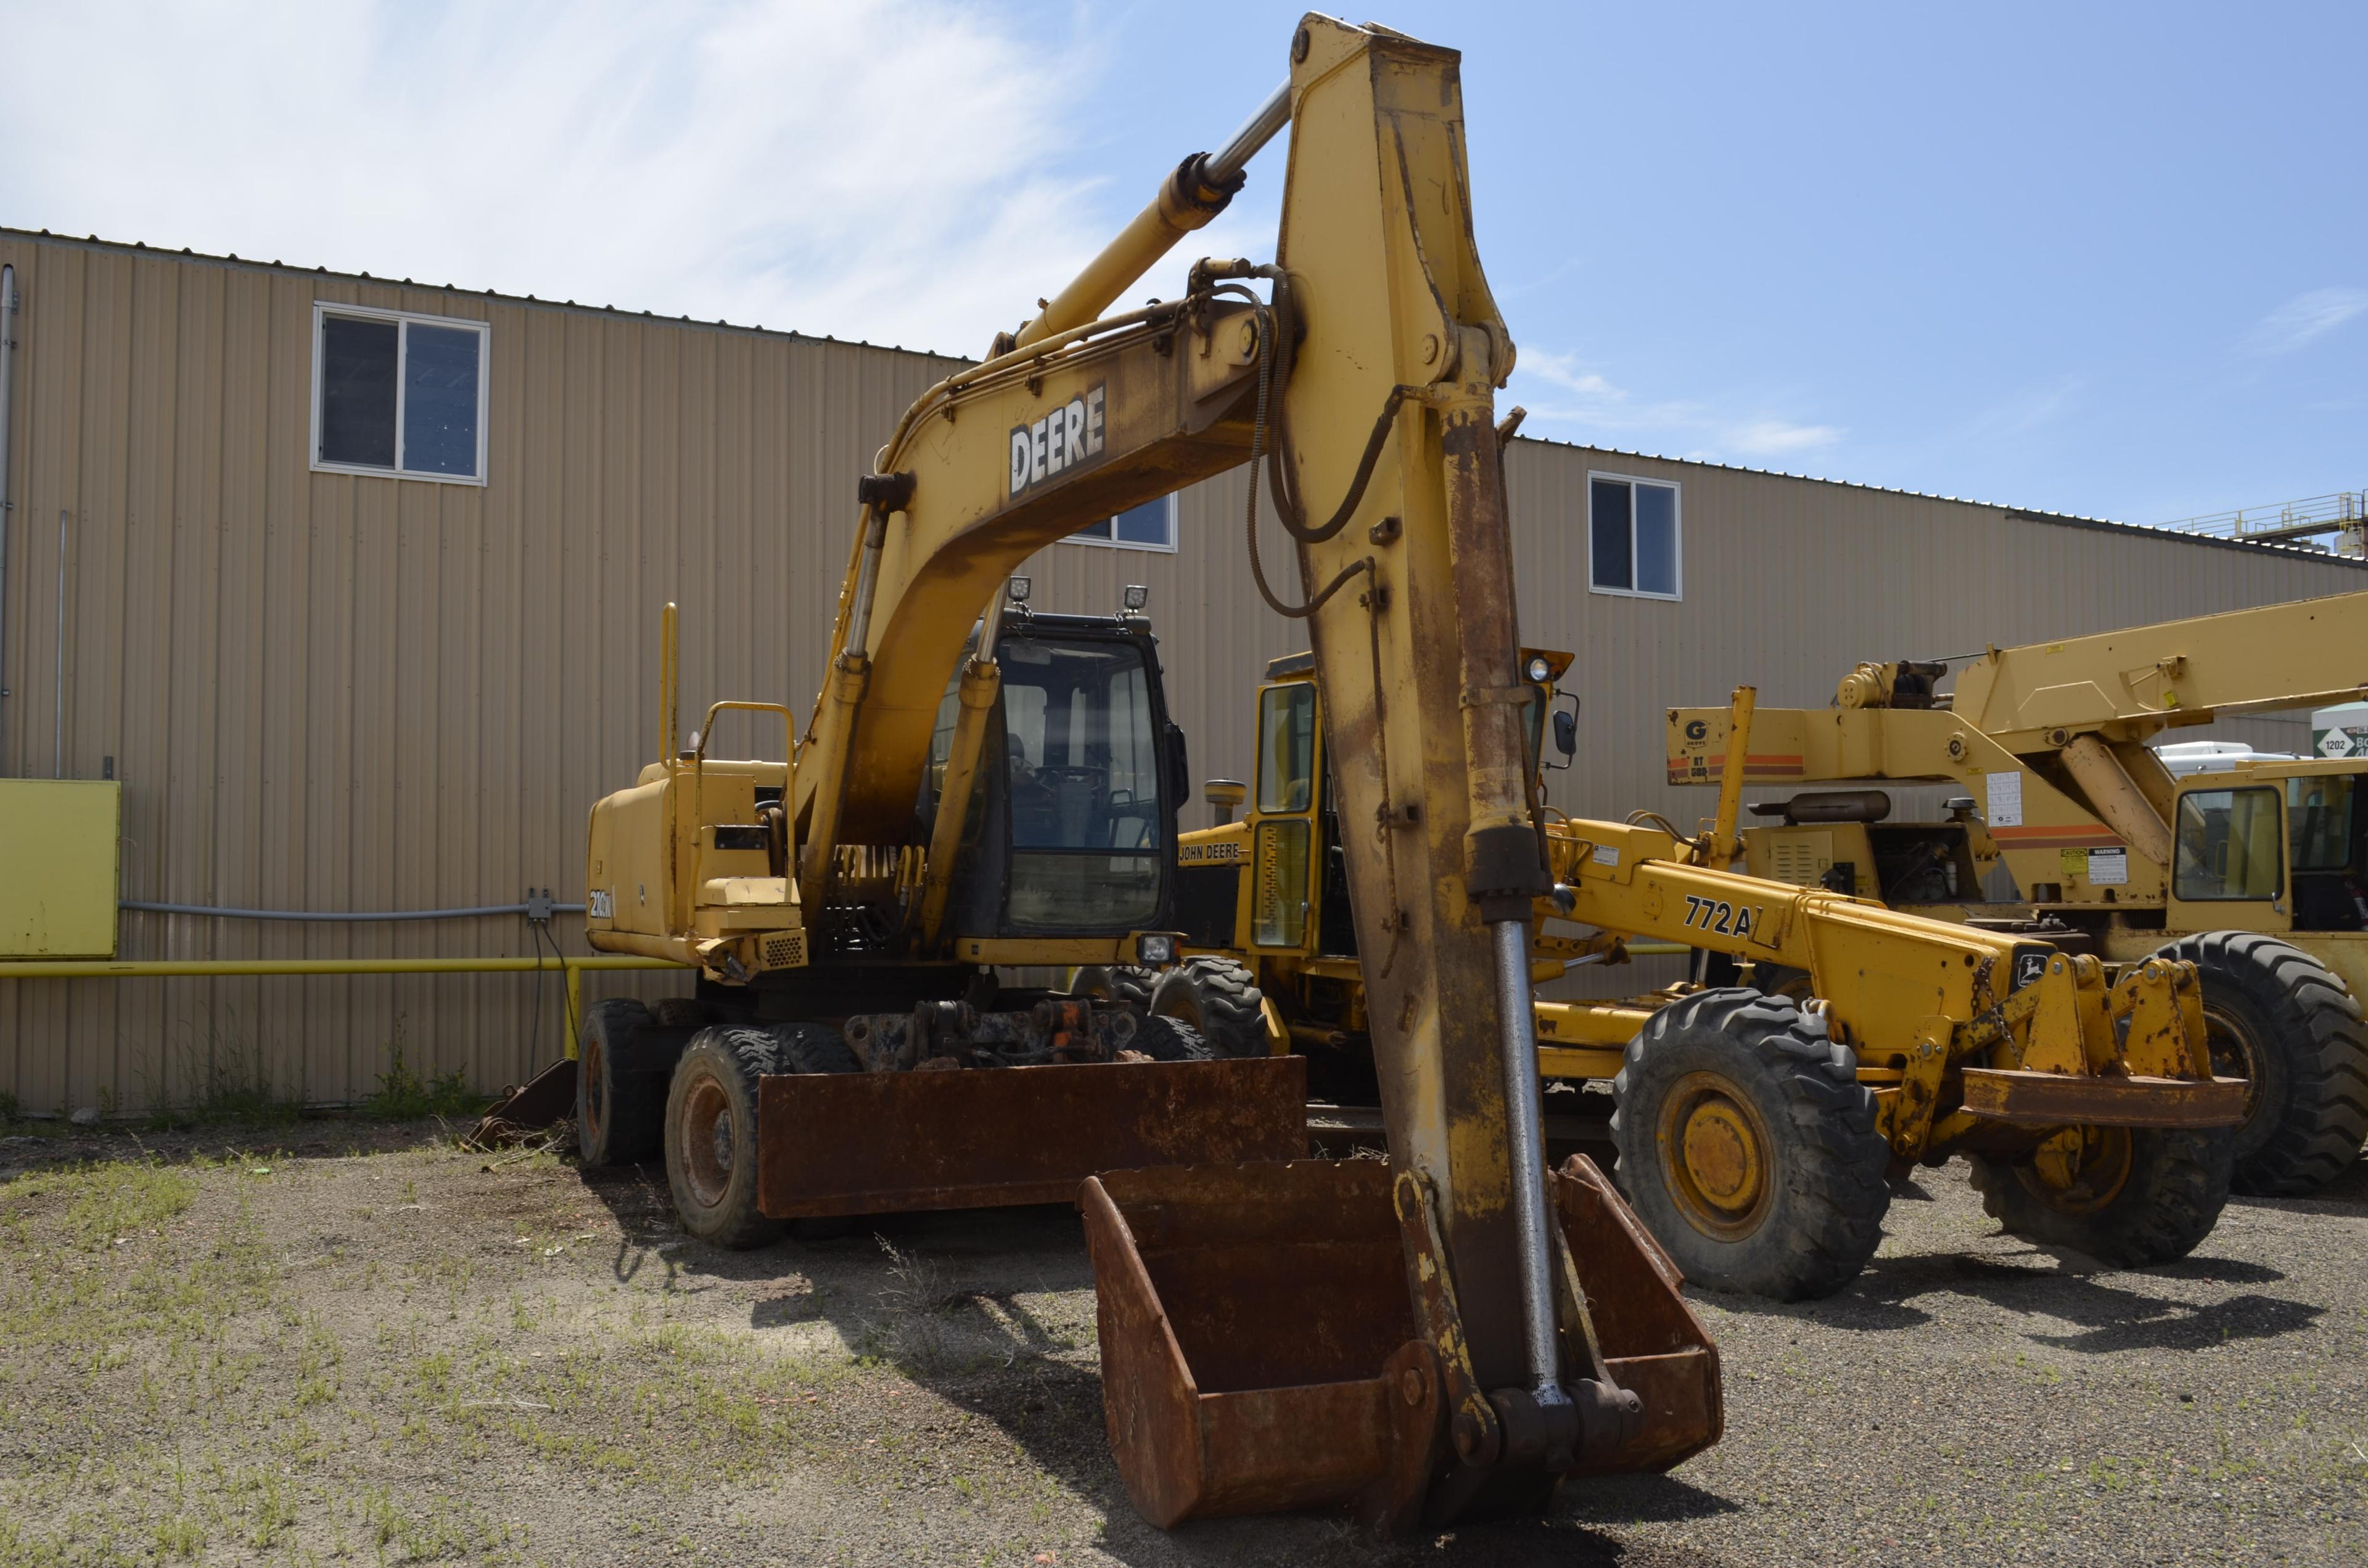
pixel 403 1095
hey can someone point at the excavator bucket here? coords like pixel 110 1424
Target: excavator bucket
pixel 833 1145
pixel 1261 1350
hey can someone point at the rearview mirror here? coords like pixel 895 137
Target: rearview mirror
pixel 1565 731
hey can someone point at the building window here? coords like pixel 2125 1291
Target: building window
pixel 1632 537
pixel 398 394
pixel 1151 525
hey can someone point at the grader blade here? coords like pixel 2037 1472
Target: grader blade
pixel 832 1144
pixel 1262 1349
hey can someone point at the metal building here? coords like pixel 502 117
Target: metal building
pixel 354 585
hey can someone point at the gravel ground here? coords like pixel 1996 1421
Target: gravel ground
pixel 343 1344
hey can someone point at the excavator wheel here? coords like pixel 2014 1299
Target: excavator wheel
pixel 1749 1146
pixel 620 1107
pixel 1171 1039
pixel 2280 1019
pixel 1120 984
pixel 711 1122
pixel 2128 1197
pixel 1220 999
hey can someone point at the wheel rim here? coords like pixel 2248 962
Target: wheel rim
pixel 2234 1053
pixel 705 1141
pixel 2082 1169
pixel 1717 1156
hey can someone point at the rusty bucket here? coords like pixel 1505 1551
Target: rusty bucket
pixel 837 1143
pixel 1261 1354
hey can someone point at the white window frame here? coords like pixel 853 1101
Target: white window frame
pixel 1676 533
pixel 1114 543
pixel 323 309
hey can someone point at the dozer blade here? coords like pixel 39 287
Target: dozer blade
pixel 1260 1351
pixel 542 1100
pixel 889 1142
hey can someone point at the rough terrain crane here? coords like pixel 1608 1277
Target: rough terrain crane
pixel 1756 1133
pixel 1446 1334
pixel 2258 876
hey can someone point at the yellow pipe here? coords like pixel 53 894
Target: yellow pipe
pixel 165 968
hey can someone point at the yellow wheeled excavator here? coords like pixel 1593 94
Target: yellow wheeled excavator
pixel 1448 1335
pixel 2259 875
pixel 1756 1132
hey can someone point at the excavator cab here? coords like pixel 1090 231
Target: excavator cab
pixel 1071 825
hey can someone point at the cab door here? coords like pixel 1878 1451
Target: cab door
pixel 1280 893
pixel 2228 856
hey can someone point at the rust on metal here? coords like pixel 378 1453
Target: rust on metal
pixel 1472 1422
pixel 546 1098
pixel 1265 1345
pixel 1259 1351
pixel 1653 1343
pixel 889 1142
pixel 2059 1099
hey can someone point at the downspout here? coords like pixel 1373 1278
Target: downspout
pixel 7 380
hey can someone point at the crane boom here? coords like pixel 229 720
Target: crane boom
pixel 2131 683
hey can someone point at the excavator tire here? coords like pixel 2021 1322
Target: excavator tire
pixel 1167 1038
pixel 1220 999
pixel 2161 1193
pixel 620 1107
pixel 1749 1146
pixel 2280 1019
pixel 1120 984
pixel 711 1133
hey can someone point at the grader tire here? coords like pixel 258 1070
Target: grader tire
pixel 1749 1146
pixel 711 1134
pixel 1167 1038
pixel 2281 1020
pixel 1220 999
pixel 620 1107
pixel 2144 1196
pixel 1120 984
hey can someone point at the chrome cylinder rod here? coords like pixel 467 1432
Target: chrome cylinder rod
pixel 1525 1152
pixel 1256 132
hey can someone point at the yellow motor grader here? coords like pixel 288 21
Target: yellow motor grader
pixel 2258 874
pixel 1755 1132
pixel 1447 1335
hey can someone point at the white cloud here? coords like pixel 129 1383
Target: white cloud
pixel 1559 390
pixel 2305 319
pixel 873 168
pixel 1778 438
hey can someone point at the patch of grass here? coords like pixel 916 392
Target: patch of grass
pixel 108 1201
pixel 224 1077
pixel 403 1095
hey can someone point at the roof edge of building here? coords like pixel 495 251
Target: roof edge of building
pixel 140 248
pixel 2020 514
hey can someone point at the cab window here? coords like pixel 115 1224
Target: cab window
pixel 2320 811
pixel 1287 748
pixel 2229 846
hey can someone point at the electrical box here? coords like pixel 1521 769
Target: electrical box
pixel 58 867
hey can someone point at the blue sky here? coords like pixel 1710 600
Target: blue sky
pixel 2097 259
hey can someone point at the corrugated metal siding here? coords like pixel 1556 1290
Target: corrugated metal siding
pixel 332 692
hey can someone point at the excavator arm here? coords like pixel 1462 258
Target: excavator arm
pixel 1454 1333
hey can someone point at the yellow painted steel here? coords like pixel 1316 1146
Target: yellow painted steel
pixel 58 866
pixel 167 969
pixel 183 969
pixel 1919 999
